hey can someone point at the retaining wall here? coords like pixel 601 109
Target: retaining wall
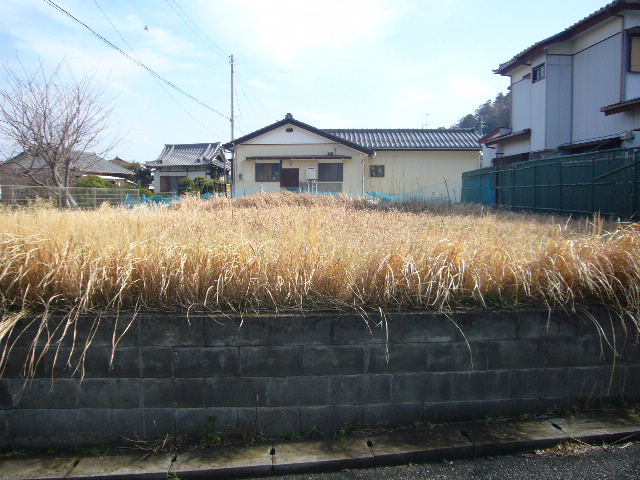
pixel 294 373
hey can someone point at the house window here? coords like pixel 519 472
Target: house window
pixel 537 73
pixel 330 172
pixel 376 170
pixel 267 172
pixel 634 53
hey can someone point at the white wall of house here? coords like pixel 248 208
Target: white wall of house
pixel 281 144
pixel 427 173
pixel 179 172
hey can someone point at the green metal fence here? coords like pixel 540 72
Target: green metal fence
pixel 603 182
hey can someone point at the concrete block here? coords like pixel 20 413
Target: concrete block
pixel 498 409
pixel 632 380
pixel 28 425
pixel 333 360
pixel 422 387
pixel 236 331
pixel 578 352
pixel 100 330
pixel 401 358
pixel 80 422
pixel 194 422
pixel 629 351
pixel 235 392
pixel 544 324
pixel 269 420
pixel 109 393
pixel 595 382
pixel 6 395
pixel 515 354
pixel 485 325
pixel 95 393
pixel 392 414
pixel 158 422
pixel 457 357
pixel 356 330
pixel 331 418
pixel 478 385
pixel 126 363
pixel 205 362
pixel 44 393
pixel 537 383
pixel 76 363
pixel 421 327
pixel 127 424
pixel 300 330
pixel 172 393
pixel 361 389
pixel 157 330
pixel 444 412
pixel 271 361
pixel 156 362
pixel 297 391
pixel 18 364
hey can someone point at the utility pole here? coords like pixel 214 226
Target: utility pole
pixel 232 79
pixel 233 154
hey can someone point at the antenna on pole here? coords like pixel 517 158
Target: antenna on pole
pixel 426 121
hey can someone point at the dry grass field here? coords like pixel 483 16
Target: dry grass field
pixel 286 251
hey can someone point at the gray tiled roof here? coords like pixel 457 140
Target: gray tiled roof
pixel 190 154
pixel 408 139
pixel 87 162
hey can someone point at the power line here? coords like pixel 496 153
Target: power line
pixel 137 62
pixel 159 83
pixel 202 36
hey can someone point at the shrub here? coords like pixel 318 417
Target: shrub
pixel 186 185
pixel 93 181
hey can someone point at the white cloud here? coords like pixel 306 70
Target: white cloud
pixel 288 31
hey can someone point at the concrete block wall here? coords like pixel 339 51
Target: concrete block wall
pixel 294 373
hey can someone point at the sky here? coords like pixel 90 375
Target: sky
pixel 330 63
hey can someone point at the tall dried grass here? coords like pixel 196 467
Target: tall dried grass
pixel 280 251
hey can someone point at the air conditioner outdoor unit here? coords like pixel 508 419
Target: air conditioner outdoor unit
pixel 312 173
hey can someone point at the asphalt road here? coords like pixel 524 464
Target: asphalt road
pixel 620 462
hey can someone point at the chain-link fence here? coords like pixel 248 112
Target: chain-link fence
pixel 61 197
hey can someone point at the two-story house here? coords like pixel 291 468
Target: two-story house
pixel 576 91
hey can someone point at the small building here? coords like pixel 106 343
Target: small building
pixel 23 169
pixel 576 91
pixel 293 155
pixel 192 160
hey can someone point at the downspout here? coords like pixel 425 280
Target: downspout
pixel 364 167
pixel 622 53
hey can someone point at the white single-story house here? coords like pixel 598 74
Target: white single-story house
pixel 576 91
pixel 293 155
pixel 192 160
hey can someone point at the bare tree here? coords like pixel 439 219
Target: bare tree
pixel 53 118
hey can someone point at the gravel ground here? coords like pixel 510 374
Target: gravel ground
pixel 621 462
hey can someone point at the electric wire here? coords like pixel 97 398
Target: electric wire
pixel 202 36
pixel 159 83
pixel 137 62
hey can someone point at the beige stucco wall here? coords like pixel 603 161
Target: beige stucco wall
pixel 423 173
